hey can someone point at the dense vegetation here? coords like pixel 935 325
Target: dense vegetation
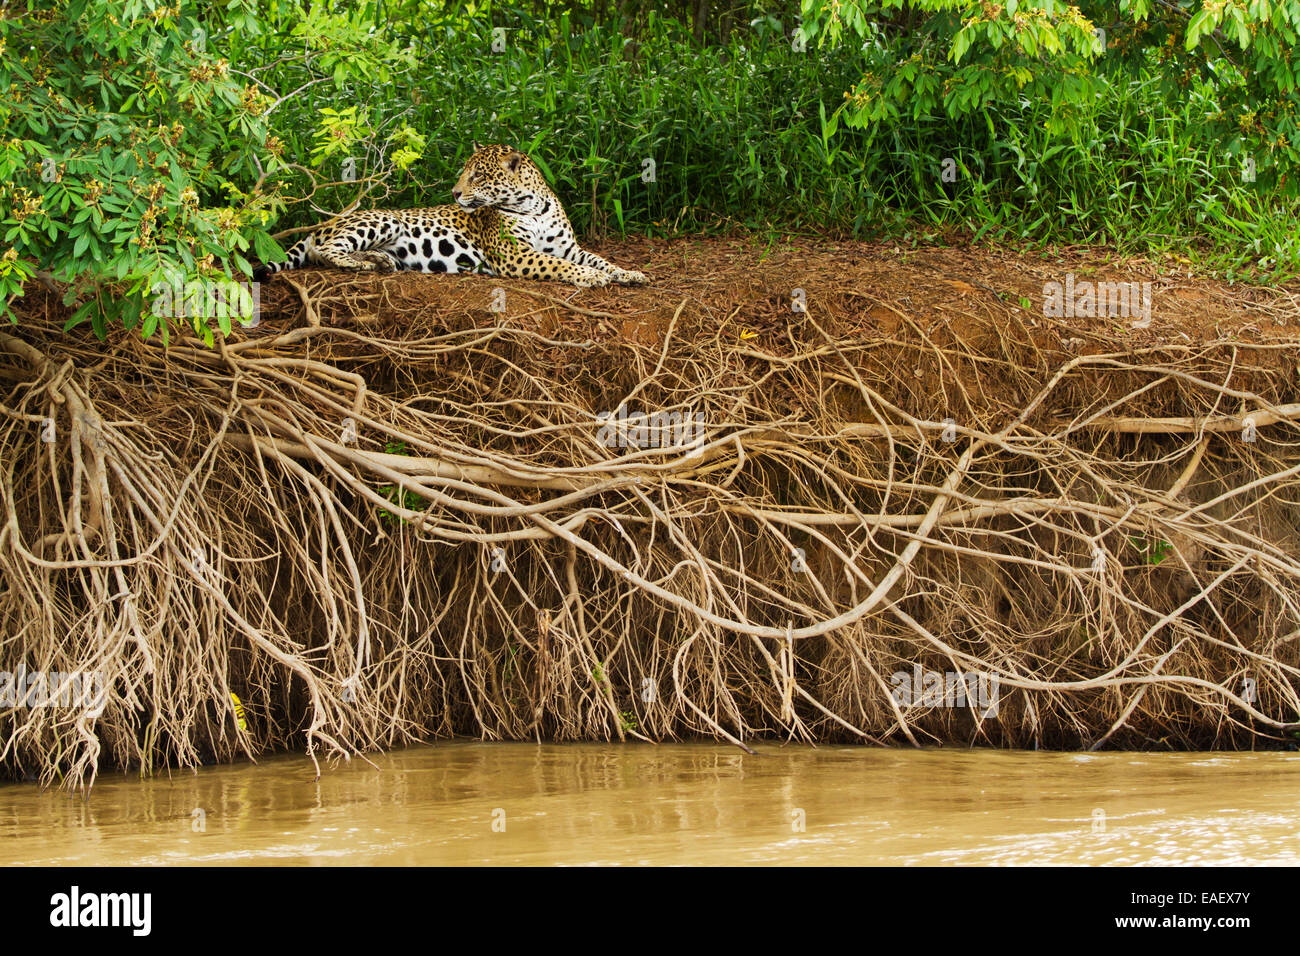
pixel 394 511
pixel 144 142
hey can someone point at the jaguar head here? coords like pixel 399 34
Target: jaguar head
pixel 498 176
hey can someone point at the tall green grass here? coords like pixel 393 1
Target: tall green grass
pixel 744 135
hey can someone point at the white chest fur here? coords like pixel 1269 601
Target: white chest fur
pixel 543 233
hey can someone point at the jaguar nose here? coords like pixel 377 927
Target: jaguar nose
pixel 455 194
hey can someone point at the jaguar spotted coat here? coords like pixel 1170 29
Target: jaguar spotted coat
pixel 506 222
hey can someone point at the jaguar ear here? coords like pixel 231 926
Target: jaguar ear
pixel 513 160
pixel 477 147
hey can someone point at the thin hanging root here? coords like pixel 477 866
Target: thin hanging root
pixel 431 530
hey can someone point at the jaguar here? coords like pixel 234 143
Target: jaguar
pixel 506 221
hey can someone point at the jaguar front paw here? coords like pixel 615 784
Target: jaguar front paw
pixel 590 279
pixel 631 277
pixel 377 261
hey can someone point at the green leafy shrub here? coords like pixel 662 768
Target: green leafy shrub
pixel 147 147
pixel 124 135
pixel 134 153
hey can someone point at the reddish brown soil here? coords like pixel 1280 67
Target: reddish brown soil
pixel 745 287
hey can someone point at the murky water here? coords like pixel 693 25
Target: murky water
pixel 477 803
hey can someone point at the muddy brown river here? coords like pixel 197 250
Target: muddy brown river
pixel 494 803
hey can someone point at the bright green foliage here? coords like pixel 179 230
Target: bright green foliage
pixel 748 133
pixel 122 132
pixel 966 57
pixel 962 58
pixel 145 146
pixel 132 149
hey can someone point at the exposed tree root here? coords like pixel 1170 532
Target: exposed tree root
pixel 400 519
